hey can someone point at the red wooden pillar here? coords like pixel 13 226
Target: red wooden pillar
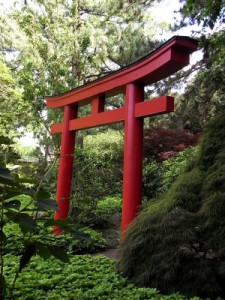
pixel 65 167
pixel 132 172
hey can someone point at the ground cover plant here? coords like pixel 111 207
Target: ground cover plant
pixel 177 242
pixel 84 278
pixel 24 220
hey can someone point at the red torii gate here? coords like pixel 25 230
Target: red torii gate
pixel 164 61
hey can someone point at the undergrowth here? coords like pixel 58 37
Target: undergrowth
pixel 84 278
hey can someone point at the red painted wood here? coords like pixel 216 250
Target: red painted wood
pixel 132 171
pixel 98 104
pixel 161 63
pixel 107 117
pixel 56 128
pixel 65 167
pixel 104 118
pixel 131 80
pixel 157 106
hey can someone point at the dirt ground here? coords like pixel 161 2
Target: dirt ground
pixel 111 253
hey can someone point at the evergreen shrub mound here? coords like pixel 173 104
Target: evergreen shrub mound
pixel 177 243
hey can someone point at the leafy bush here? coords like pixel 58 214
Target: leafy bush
pixel 97 174
pixel 85 278
pixel 161 143
pixel 177 242
pixel 88 241
pixel 159 176
pixel 174 166
pixel 98 166
pixel 101 215
pixel 152 178
pixel 105 217
pixel 107 210
pixel 93 244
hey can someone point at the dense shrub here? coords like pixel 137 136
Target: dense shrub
pixel 97 174
pixel 98 166
pixel 161 143
pixel 98 216
pixel 177 243
pixel 152 173
pixel 174 166
pixel 159 176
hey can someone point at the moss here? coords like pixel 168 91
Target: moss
pixel 177 243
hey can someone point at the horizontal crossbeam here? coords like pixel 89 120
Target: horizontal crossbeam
pixel 157 106
pixel 161 105
pixel 164 61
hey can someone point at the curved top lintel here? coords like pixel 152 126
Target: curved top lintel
pixel 162 62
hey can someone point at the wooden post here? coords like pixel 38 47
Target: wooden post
pixel 132 173
pixel 65 167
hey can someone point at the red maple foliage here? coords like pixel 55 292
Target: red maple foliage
pixel 161 143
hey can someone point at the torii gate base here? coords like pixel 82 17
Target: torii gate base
pixel 164 61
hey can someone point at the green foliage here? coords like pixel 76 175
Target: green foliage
pixel 88 241
pixel 152 177
pixel 206 13
pixel 159 176
pixel 97 174
pixel 10 97
pixel 174 166
pixel 59 45
pixel 85 278
pixel 204 95
pixel 100 216
pixel 93 244
pixel 177 242
pixel 20 206
pixel 107 208
pixel 98 166
pixel 102 147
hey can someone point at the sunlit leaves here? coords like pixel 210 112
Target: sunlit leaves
pixel 63 44
pixel 10 103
